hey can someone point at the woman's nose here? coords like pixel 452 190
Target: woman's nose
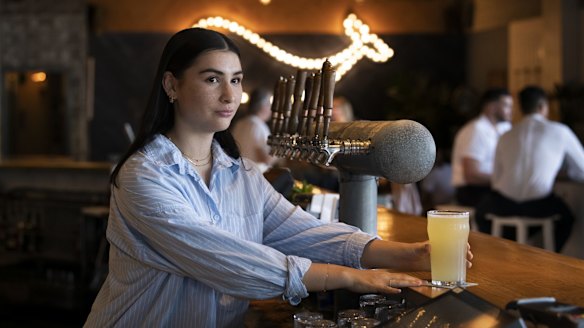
pixel 228 94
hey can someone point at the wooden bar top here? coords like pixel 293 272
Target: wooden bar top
pixel 504 269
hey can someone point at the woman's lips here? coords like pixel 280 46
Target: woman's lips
pixel 225 113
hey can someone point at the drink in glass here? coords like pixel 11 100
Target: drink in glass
pixel 448 233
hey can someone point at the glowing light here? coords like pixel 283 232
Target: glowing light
pixel 244 98
pixel 38 77
pixel 364 44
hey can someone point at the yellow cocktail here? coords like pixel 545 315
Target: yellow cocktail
pixel 448 233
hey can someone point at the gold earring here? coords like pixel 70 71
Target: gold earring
pixel 171 99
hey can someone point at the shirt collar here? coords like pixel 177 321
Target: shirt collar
pixel 165 153
pixel 220 157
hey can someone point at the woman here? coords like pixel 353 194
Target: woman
pixel 195 230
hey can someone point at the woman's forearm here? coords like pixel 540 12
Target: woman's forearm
pixel 322 277
pixel 396 255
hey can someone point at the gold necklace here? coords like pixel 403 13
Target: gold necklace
pixel 198 162
pixel 195 162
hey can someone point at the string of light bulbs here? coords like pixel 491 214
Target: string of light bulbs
pixel 363 44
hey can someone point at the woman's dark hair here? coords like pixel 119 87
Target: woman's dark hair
pixel 178 55
pixel 530 98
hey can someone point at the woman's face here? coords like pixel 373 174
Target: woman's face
pixel 208 93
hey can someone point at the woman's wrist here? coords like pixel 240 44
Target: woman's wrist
pixel 335 277
pixel 340 277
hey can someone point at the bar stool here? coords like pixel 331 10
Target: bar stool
pixel 522 224
pixel 456 207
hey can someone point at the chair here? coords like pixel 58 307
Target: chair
pixel 522 224
pixel 456 207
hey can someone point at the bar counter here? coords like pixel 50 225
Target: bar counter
pixel 503 269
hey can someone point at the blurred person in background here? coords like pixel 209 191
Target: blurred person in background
pixel 436 187
pixel 474 146
pixel 527 161
pixel 251 131
pixel 342 110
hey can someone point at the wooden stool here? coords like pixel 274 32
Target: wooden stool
pixel 456 207
pixel 522 224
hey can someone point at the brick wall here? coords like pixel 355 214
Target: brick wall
pixel 50 35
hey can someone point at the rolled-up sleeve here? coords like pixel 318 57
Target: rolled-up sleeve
pixel 295 289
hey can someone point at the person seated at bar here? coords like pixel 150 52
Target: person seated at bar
pixel 196 231
pixel 406 198
pixel 474 147
pixel 251 131
pixel 527 161
pixel 435 188
pixel 342 110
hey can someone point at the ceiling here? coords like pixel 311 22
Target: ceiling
pixel 280 16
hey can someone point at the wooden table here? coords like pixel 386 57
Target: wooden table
pixel 504 269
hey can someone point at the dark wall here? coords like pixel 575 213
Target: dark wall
pixel 416 84
pixel 125 66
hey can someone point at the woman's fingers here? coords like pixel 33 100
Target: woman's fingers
pixel 395 283
pixel 400 280
pixel 381 281
pixel 399 283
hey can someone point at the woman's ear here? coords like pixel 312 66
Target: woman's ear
pixel 168 83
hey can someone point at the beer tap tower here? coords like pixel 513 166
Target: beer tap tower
pixel 402 151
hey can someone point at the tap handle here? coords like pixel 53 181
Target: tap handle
pixel 275 106
pixel 328 80
pixel 306 105
pixel 281 101
pixel 313 103
pixel 292 125
pixel 320 108
pixel 290 85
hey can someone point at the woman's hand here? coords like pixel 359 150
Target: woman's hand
pixel 401 256
pixel 329 277
pixel 380 254
pixel 380 281
pixel 421 254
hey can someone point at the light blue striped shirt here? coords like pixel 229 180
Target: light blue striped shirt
pixel 187 255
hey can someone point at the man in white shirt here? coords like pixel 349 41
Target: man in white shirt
pixel 251 131
pixel 474 147
pixel 527 161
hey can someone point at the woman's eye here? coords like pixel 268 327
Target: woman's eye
pixel 213 79
pixel 236 80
